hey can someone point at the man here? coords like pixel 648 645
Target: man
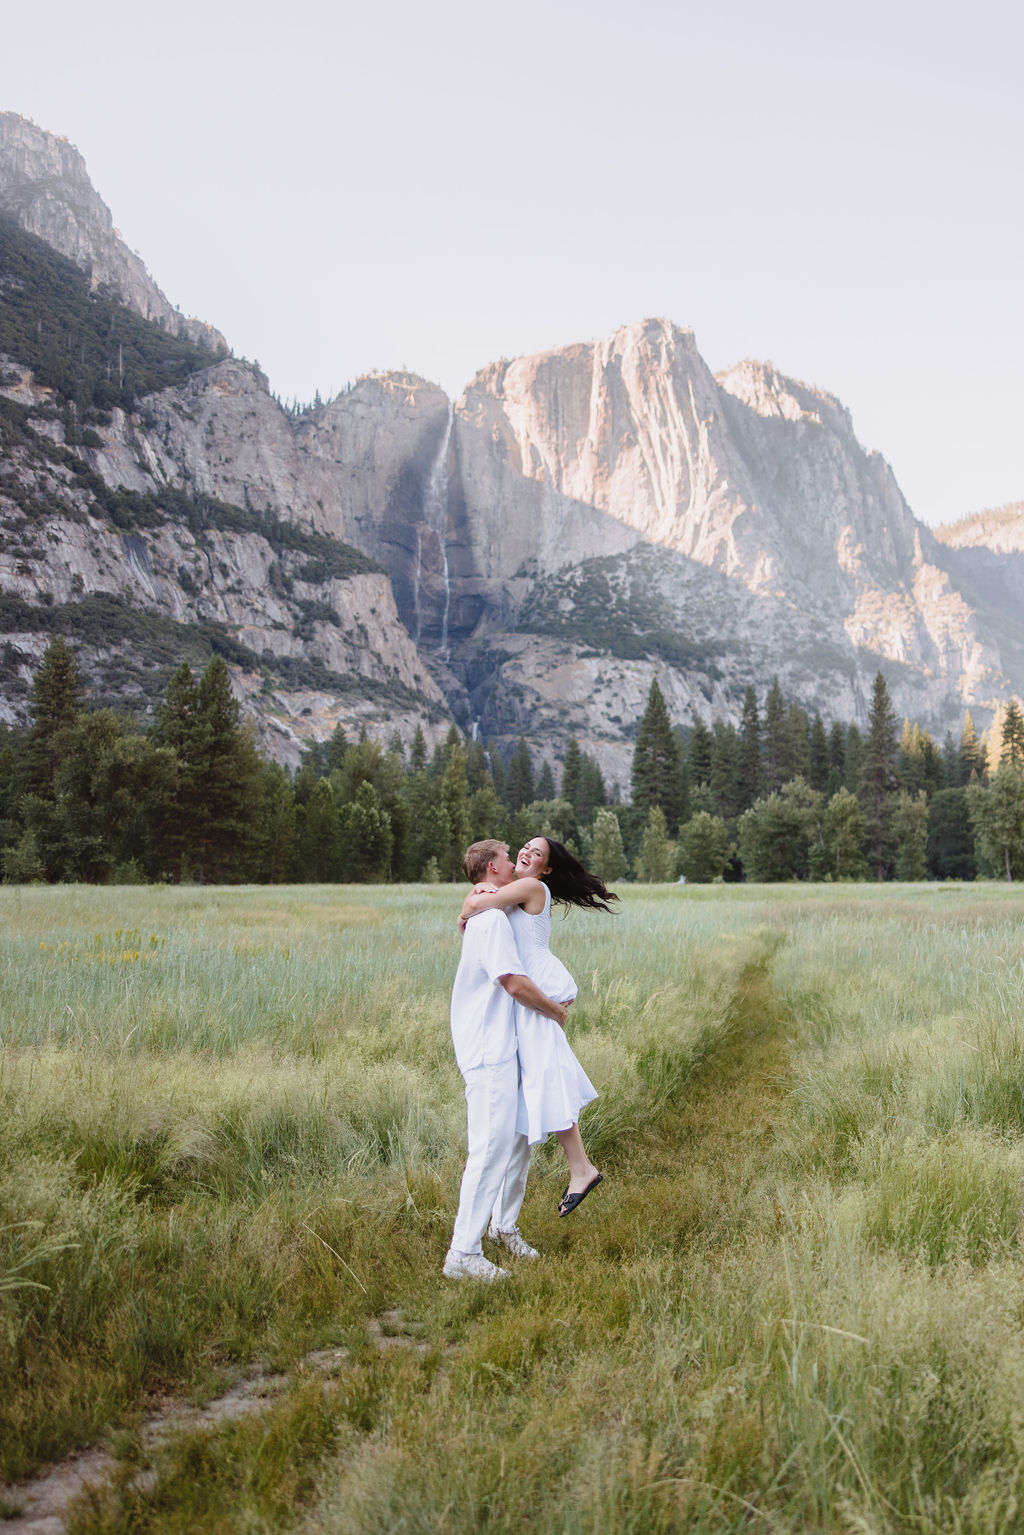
pixel 489 982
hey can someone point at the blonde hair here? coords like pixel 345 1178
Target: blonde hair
pixel 477 857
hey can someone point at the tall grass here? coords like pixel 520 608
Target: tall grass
pixel 235 1116
pixel 793 1304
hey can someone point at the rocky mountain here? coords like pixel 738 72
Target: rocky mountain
pixel 715 529
pixel 44 185
pixel 524 558
pixel 111 534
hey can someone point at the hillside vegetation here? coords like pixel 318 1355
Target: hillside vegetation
pixel 82 343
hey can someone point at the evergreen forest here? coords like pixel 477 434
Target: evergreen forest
pixel 86 795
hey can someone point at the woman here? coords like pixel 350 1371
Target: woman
pixel 554 1087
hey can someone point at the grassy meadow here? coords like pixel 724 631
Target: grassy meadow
pixel 232 1132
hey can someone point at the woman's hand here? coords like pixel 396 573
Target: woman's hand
pixel 484 889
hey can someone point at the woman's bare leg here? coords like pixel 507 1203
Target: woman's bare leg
pixel 581 1169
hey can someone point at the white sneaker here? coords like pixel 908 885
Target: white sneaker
pixel 472 1266
pixel 513 1241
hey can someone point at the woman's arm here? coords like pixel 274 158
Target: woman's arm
pixel 521 892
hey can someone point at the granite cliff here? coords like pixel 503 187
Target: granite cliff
pixel 524 558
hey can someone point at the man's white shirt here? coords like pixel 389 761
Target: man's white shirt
pixel 483 1013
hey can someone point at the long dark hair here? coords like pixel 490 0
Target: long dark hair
pixel 573 885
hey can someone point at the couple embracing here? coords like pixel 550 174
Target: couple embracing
pixel 509 1005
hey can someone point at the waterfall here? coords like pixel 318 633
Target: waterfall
pixel 435 507
pixel 416 572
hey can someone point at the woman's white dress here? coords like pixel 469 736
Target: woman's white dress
pixel 553 1086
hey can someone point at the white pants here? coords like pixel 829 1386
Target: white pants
pixel 498 1160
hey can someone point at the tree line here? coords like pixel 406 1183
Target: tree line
pixel 781 797
pixel 86 795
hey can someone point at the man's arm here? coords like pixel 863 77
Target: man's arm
pixel 521 989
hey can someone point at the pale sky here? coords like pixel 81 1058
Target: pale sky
pixel 342 188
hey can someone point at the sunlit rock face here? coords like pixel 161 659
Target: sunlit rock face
pixel 631 444
pixel 749 473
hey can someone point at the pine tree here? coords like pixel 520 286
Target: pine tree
pixel 749 771
pixel 972 757
pixel 778 834
pixel 545 785
pixel 314 759
pixel 592 790
pixel 657 852
pixel 318 837
pixel 700 752
pixel 486 813
pixel 418 752
pixel 1012 737
pixel 572 773
pixel 519 789
pixel 454 801
pixel 843 826
pixel 910 766
pixel 211 819
pixel 933 764
pixel 276 844
pixel 655 776
pixel 365 829
pixel 227 779
pixel 684 774
pixel 725 787
pixel 836 758
pixel 797 755
pixel 853 758
pixel 477 771
pixel 951 762
pixel 608 860
pixel 100 809
pixel 703 850
pixel 432 843
pixel 819 762
pixel 56 701
pixel 334 749
pixel 950 847
pixel 773 756
pixel 362 763
pixel 878 777
pixel 997 815
pixel 909 821
pixel 178 730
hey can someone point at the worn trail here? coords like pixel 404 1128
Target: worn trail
pixel 41 1506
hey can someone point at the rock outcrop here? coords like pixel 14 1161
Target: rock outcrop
pixel 310 623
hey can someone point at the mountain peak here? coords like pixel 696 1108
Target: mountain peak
pixel 45 188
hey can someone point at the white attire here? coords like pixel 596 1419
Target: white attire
pixel 553 1086
pixel 484 1036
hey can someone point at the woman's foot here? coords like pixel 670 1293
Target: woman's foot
pixel 575 1197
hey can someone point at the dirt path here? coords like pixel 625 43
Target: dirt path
pixel 40 1506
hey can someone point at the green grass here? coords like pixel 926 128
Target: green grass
pixel 793 1304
